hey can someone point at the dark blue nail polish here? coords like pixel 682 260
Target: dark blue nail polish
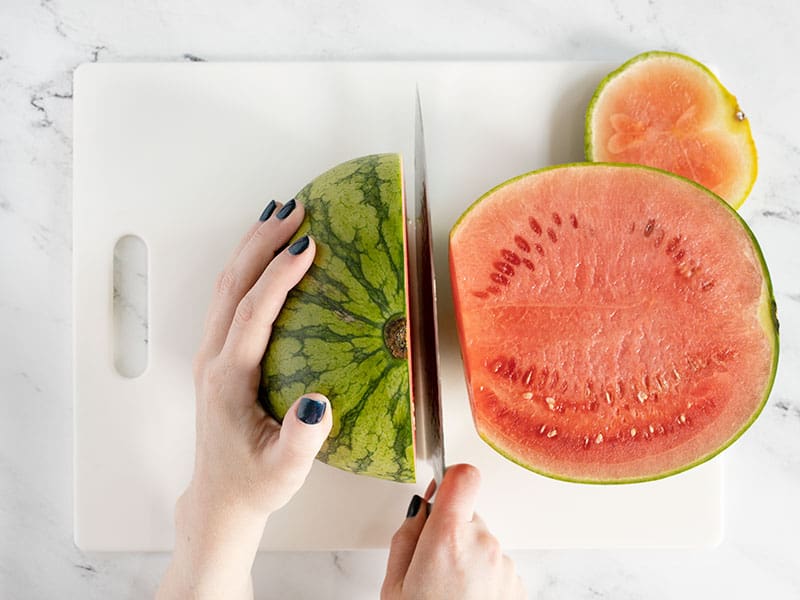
pixel 299 246
pixel 310 411
pixel 413 507
pixel 286 209
pixel 268 211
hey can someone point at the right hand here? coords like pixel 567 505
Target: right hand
pixel 450 553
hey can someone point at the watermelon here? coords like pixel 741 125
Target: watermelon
pixel 669 111
pixel 617 322
pixel 342 331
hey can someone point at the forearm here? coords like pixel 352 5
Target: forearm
pixel 214 551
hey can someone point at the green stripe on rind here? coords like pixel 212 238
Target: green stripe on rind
pixel 329 336
pixel 588 147
pixel 767 309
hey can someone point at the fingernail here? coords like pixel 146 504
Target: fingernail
pixel 267 213
pixel 310 411
pixel 413 507
pixel 299 246
pixel 286 209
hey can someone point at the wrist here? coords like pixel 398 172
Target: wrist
pixel 215 544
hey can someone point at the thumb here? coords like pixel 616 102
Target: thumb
pixel 404 543
pixel 305 428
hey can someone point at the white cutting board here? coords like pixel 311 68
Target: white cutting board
pixel 185 156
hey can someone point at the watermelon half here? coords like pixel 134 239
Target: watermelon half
pixel 617 322
pixel 343 329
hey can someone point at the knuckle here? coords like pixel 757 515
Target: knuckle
pixel 226 282
pixel 245 310
pixel 490 545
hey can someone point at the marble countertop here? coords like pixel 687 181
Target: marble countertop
pixel 41 43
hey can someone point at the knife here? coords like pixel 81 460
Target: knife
pixel 425 335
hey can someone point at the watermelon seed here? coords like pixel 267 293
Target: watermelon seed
pixel 586 441
pixel 681 253
pixel 620 388
pixel 707 285
pixel 675 372
pixel 542 428
pixel 539 249
pixel 510 256
pixel 543 377
pixel 497 366
pixel 552 235
pixel 648 229
pixel 642 396
pixel 527 395
pixel 522 243
pixel 498 278
pixel 608 397
pixel 598 439
pixel 480 294
pixel 537 229
pixel 493 289
pixel 528 264
pixel 554 380
pixel 652 429
pixel 633 431
pixel 632 228
pixel 504 268
pixel 552 433
pixel 557 219
pixel 659 237
pixel 673 245
pixel 551 402
pixel 682 418
pixel 529 375
pixel 574 220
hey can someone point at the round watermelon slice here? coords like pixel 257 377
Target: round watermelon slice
pixel 617 322
pixel 666 110
pixel 342 331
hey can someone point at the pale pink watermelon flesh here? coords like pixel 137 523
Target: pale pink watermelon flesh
pixel 616 322
pixel 668 111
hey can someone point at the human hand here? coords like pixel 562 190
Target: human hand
pixel 246 464
pixel 449 553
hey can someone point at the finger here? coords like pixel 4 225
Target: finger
pixel 305 428
pixel 258 248
pixel 455 499
pixel 404 543
pixel 249 332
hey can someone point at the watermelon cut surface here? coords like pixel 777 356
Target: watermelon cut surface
pixel 342 331
pixel 616 322
pixel 667 110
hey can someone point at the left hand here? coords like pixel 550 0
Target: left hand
pixel 246 464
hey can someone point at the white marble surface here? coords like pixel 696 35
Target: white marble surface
pixel 753 45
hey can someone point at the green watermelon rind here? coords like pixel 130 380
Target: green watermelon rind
pixel 588 147
pixel 769 319
pixel 365 439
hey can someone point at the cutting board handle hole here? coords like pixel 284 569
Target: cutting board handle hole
pixel 131 325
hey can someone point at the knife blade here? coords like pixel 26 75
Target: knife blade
pixel 426 372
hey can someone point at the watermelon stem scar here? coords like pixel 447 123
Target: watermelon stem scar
pixel 394 336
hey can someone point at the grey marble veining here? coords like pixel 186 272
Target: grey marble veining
pixel 753 47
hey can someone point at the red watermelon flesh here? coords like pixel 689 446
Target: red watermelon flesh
pixel 616 322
